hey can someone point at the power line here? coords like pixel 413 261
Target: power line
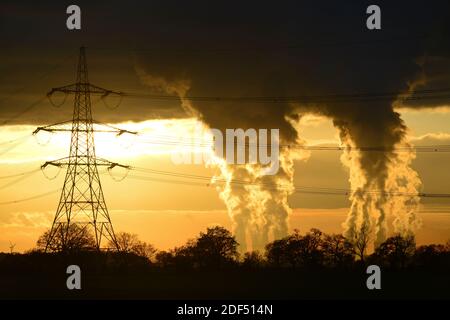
pixel 14 140
pixel 198 142
pixel 297 189
pixel 305 190
pixel 13 146
pixel 200 48
pixel 41 76
pixel 22 112
pixel 430 94
pixel 41 195
pixel 20 174
pixel 21 89
pixel 20 178
pixel 424 94
pixel 273 186
pixel 424 148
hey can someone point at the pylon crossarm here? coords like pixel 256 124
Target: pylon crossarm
pixel 110 164
pixel 113 165
pixel 97 161
pixel 66 89
pixel 62 127
pixel 53 127
pixel 56 163
pixel 87 88
pixel 103 91
pixel 119 131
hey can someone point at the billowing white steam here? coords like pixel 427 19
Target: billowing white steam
pixel 259 208
pixel 404 180
pixel 375 198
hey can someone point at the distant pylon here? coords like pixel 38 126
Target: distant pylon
pixel 82 201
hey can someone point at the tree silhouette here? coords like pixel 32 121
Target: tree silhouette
pixel 126 241
pixel 308 248
pixel 184 257
pixel 296 250
pixel 360 241
pixel 253 260
pixel 433 255
pixel 216 247
pixel 144 249
pixel 130 243
pixel 338 251
pixel 213 249
pixel 396 251
pixel 76 238
pixel 276 252
pixel 164 259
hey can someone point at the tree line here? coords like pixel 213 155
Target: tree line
pixel 216 248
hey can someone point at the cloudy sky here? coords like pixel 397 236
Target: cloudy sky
pixel 319 49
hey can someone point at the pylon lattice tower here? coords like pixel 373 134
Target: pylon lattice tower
pixel 82 200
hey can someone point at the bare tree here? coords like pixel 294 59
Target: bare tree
pixel 70 239
pixel 126 241
pixel 144 249
pixel 296 250
pixel 397 250
pixel 305 250
pixel 338 250
pixel 361 241
pixel 130 243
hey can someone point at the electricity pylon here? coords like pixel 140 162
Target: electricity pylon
pixel 82 201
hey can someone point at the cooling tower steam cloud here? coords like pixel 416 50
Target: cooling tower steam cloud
pixel 260 61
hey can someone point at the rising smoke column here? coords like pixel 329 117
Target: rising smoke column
pixel 276 53
pixel 371 133
pixel 369 170
pixel 404 179
pixel 259 208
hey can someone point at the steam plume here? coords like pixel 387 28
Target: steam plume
pixel 258 211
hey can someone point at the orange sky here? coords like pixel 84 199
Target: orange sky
pixel 167 215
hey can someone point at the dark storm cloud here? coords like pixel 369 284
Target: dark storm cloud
pixel 295 49
pixel 226 48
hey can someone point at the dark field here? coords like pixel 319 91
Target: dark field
pixel 225 284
